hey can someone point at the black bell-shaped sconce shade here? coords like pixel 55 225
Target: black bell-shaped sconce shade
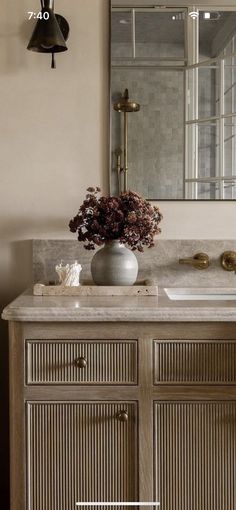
pixel 50 33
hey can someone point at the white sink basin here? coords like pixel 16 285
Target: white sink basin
pixel 200 294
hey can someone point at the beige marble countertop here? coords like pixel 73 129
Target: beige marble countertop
pixel 29 308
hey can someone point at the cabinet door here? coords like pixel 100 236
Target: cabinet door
pixel 195 455
pixel 81 451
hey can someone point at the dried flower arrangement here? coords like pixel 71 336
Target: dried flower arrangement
pixel 128 217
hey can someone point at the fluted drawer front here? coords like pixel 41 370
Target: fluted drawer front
pixel 80 452
pixel 195 362
pixel 81 362
pixel 195 456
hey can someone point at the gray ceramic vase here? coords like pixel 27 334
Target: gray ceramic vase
pixel 114 264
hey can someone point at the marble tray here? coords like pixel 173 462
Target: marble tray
pixel 139 289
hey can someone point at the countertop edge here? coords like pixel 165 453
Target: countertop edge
pixel 121 315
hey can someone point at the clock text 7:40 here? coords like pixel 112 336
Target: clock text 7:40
pixel 38 15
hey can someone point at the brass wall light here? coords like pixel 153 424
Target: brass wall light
pixel 50 33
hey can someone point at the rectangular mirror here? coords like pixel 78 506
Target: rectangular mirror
pixel 173 101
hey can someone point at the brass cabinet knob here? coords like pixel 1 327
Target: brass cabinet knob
pixel 81 362
pixel 122 416
pixel 228 260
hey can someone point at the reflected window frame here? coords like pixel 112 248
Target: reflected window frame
pixel 191 179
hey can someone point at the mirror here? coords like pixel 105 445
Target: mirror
pixel 173 102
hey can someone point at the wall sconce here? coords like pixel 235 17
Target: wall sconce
pixel 50 33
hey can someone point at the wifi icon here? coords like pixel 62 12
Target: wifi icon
pixel 194 14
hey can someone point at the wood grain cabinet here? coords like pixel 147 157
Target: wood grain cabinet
pixel 123 412
pixel 80 451
pixel 195 455
pixel 81 362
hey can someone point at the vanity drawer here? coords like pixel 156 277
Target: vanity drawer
pixel 195 362
pixel 81 362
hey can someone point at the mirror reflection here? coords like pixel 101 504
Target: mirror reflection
pixel 179 66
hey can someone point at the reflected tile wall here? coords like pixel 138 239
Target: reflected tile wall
pixel 156 133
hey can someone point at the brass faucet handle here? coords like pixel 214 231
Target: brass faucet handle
pixel 228 260
pixel 198 261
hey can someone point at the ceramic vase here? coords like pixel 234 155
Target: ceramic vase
pixel 114 264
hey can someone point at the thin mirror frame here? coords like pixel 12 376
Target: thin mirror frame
pixel 200 6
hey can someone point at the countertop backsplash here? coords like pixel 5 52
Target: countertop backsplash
pixel 160 263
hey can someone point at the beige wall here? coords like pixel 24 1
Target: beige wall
pixel 54 143
pixel 53 127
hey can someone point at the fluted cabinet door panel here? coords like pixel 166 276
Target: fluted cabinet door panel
pixel 195 456
pixel 195 362
pixel 56 362
pixel 80 452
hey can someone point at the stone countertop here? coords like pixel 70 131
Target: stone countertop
pixel 29 308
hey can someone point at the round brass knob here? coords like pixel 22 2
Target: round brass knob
pixel 228 260
pixel 81 362
pixel 122 416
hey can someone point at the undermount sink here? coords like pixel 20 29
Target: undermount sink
pixel 200 294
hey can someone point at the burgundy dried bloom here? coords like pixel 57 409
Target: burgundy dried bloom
pixel 128 217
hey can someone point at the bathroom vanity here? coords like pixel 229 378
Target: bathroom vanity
pixel 122 399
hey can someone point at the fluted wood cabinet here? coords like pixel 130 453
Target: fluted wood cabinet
pixel 123 412
pixel 80 451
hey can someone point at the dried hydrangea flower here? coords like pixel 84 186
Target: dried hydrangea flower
pixel 128 217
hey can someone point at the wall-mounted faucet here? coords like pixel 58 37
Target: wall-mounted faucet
pixel 198 261
pixel 228 260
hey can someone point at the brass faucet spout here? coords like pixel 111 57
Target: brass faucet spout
pixel 190 261
pixel 198 261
